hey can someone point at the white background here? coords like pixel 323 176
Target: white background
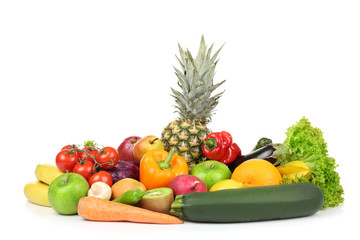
pixel 102 70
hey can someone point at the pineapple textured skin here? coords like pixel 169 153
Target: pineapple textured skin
pixel 186 138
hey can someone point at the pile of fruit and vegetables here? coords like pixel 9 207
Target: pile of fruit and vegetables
pixel 190 173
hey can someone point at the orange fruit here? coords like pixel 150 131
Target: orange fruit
pixel 257 172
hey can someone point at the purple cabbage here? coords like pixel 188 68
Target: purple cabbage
pixel 124 169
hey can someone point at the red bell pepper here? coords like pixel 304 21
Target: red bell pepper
pixel 219 146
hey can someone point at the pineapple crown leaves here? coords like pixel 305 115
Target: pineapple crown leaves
pixel 195 101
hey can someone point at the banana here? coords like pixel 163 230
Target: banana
pixel 46 173
pixel 37 192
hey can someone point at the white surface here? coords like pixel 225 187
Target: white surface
pixel 102 70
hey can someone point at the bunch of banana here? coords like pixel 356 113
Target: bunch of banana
pixel 37 191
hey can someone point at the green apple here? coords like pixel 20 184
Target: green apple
pixel 211 172
pixel 65 192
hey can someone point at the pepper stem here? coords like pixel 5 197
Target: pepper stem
pixel 210 144
pixel 165 164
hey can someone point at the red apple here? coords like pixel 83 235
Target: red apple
pixel 126 148
pixel 183 184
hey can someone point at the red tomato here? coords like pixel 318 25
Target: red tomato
pixel 108 157
pixel 84 169
pixel 69 147
pixel 66 161
pixel 91 151
pixel 102 176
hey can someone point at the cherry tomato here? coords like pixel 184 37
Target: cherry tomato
pixel 102 176
pixel 108 157
pixel 91 151
pixel 66 161
pixel 69 147
pixel 85 169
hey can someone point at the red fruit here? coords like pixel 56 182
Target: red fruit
pixel 85 169
pixel 69 147
pixel 107 158
pixel 101 176
pixel 91 151
pixel 66 161
pixel 126 148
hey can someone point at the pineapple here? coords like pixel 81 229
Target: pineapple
pixel 195 104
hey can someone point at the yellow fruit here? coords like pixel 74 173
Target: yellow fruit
pixel 298 164
pixel 46 173
pixel 257 172
pixel 226 184
pixel 37 192
pixel 295 169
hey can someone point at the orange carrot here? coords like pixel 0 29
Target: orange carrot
pixel 98 209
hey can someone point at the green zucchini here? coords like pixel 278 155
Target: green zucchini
pixel 250 204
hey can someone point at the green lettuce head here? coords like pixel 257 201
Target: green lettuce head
pixel 306 143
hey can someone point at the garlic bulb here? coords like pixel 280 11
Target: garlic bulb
pixel 100 190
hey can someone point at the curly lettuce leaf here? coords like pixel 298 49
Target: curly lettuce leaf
pixel 301 179
pixel 307 144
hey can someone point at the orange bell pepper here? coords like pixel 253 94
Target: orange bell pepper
pixel 158 168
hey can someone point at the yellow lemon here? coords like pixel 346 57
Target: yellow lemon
pixel 226 184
